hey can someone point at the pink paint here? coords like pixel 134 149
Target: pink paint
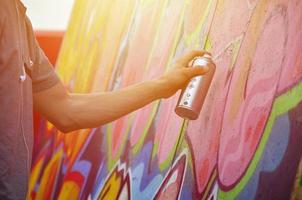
pixel 158 62
pixel 118 128
pixel 203 134
pixel 140 123
pixel 140 46
pixel 171 186
pixel 242 128
pixel 231 20
pixel 292 70
pixel 168 126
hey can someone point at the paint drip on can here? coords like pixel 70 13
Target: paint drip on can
pixel 193 96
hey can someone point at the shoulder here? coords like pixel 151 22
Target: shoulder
pixel 7 7
pixel 8 10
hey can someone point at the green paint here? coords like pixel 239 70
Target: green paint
pixel 195 35
pixel 154 150
pixel 281 105
pixel 208 45
pixel 109 142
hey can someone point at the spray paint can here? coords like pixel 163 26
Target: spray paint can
pixel 192 97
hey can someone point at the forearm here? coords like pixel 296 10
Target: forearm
pixel 76 111
pixel 92 110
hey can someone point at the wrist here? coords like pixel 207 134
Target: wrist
pixel 161 88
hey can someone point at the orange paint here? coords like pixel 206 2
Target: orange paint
pixel 50 42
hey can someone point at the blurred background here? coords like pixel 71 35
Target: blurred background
pixel 50 20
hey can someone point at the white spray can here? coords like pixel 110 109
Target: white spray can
pixel 192 97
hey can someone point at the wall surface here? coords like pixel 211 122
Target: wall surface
pixel 247 141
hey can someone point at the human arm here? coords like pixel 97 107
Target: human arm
pixel 70 112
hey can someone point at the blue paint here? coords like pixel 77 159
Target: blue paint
pixel 187 187
pixel 144 183
pixel 272 156
pixel 137 179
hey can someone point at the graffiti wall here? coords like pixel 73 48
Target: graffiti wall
pixel 246 144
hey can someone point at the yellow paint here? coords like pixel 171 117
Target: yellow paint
pixel 208 44
pixel 86 44
pixel 112 187
pixel 117 32
pixel 34 176
pixel 70 190
pixel 49 126
pixel 74 143
pixel 297 188
pixel 49 176
pixel 205 9
pixel 210 184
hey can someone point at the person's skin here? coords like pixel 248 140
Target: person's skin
pixel 70 112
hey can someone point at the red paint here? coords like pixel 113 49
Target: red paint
pixel 50 42
pixel 75 177
pixel 204 171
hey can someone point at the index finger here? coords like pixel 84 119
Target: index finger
pixel 188 57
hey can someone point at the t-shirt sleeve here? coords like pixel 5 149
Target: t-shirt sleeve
pixel 42 72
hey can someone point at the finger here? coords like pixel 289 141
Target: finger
pixel 196 71
pixel 188 57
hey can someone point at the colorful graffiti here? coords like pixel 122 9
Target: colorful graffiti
pixel 246 144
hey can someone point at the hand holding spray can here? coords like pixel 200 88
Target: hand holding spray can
pixel 192 97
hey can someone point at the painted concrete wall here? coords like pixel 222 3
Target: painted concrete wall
pixel 247 141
